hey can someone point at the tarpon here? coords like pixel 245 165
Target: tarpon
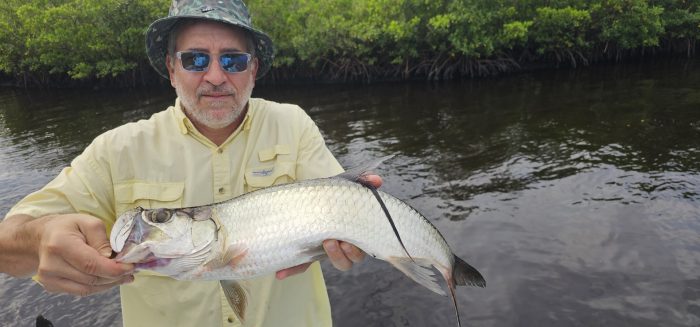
pixel 282 226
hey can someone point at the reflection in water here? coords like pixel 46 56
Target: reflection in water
pixel 576 193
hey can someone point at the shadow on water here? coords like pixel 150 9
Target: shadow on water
pixel 575 193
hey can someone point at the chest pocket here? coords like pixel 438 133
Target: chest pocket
pixel 279 172
pixel 148 195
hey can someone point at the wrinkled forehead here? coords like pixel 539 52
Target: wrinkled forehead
pixel 211 36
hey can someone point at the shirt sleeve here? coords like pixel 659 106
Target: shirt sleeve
pixel 83 187
pixel 314 159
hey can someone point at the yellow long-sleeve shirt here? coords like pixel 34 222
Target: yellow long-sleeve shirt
pixel 165 162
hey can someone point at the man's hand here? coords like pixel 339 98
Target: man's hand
pixel 71 254
pixel 341 254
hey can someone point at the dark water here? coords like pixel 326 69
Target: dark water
pixel 576 194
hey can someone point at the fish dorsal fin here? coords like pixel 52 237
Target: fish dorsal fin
pixel 418 270
pixel 354 174
pixel 236 296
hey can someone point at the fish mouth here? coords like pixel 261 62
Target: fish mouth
pixel 122 229
pixel 141 256
pixel 134 253
pixel 130 241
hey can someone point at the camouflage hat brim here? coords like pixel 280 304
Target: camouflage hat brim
pixel 158 33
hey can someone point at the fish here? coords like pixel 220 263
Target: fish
pixel 282 226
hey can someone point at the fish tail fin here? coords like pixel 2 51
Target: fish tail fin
pixel 464 274
pixel 43 322
pixel 354 174
pixel 236 296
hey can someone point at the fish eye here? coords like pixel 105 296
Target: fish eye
pixel 160 216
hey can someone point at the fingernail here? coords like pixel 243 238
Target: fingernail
pixel 106 252
pixel 332 246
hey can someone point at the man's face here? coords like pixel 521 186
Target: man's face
pixel 214 99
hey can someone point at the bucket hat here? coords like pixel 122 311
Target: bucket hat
pixel 233 12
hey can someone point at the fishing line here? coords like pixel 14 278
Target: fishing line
pixel 391 220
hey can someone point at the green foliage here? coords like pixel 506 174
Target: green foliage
pixel 555 29
pixel 681 20
pixel 351 39
pixel 629 23
pixel 12 39
pixel 515 33
pixel 80 38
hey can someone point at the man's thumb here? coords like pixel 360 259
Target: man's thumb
pixel 96 235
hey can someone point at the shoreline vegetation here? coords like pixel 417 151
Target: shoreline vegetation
pixel 100 43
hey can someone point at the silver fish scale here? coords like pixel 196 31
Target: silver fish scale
pixel 283 226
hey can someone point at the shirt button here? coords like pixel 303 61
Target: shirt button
pixel 221 190
pixel 230 319
pixel 220 151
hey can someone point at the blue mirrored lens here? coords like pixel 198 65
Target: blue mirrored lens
pixel 234 62
pixel 199 61
pixel 195 61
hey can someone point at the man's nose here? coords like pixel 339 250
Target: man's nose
pixel 215 75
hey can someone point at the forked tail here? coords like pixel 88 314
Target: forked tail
pixel 463 274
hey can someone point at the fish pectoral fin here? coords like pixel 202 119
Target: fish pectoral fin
pixel 236 296
pixel 232 256
pixel 418 270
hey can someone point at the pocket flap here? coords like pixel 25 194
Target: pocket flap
pixel 263 176
pixel 271 153
pixel 132 191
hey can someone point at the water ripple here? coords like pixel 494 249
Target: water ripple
pixel 576 194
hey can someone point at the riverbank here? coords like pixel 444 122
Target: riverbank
pixel 281 77
pixel 91 43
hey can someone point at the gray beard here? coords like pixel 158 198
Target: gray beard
pixel 204 118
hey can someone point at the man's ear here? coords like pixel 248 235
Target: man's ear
pixel 254 67
pixel 171 69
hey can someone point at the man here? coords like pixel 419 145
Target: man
pixel 214 144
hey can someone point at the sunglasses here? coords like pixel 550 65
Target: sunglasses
pixel 230 62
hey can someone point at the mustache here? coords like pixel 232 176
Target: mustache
pixel 218 90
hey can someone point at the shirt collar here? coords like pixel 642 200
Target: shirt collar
pixel 186 126
pixel 183 122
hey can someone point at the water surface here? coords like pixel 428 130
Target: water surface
pixel 575 193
